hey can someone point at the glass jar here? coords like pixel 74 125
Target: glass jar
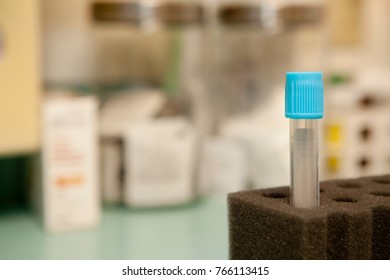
pixel 303 22
pixel 151 129
pixel 121 44
pixel 251 58
pixel 243 39
pixel 183 34
pixel 258 42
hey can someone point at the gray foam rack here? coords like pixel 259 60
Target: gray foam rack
pixel 352 222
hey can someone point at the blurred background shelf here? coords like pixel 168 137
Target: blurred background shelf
pixel 195 231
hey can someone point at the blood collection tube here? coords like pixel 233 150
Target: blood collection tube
pixel 304 106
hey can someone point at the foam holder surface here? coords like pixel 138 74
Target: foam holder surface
pixel 352 222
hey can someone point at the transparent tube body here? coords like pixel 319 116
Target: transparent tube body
pixel 304 145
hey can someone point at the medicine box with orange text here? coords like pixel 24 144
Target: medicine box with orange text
pixel 70 194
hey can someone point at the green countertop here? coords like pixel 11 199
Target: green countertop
pixel 196 231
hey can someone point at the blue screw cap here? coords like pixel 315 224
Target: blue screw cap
pixel 304 95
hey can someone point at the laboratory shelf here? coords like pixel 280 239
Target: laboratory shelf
pixel 195 231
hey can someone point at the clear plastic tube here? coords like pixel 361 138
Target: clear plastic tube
pixel 304 162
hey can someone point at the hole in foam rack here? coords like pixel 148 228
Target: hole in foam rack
pixel 368 100
pixel 275 195
pixel 345 199
pixel 384 194
pixel 349 185
pixel 365 133
pixel 382 180
pixel 364 163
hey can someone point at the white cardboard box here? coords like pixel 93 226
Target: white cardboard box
pixel 160 163
pixel 69 163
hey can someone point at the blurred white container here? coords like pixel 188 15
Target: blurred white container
pixel 149 151
pixel 70 194
pixel 223 166
pixel 160 163
pixel 117 115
